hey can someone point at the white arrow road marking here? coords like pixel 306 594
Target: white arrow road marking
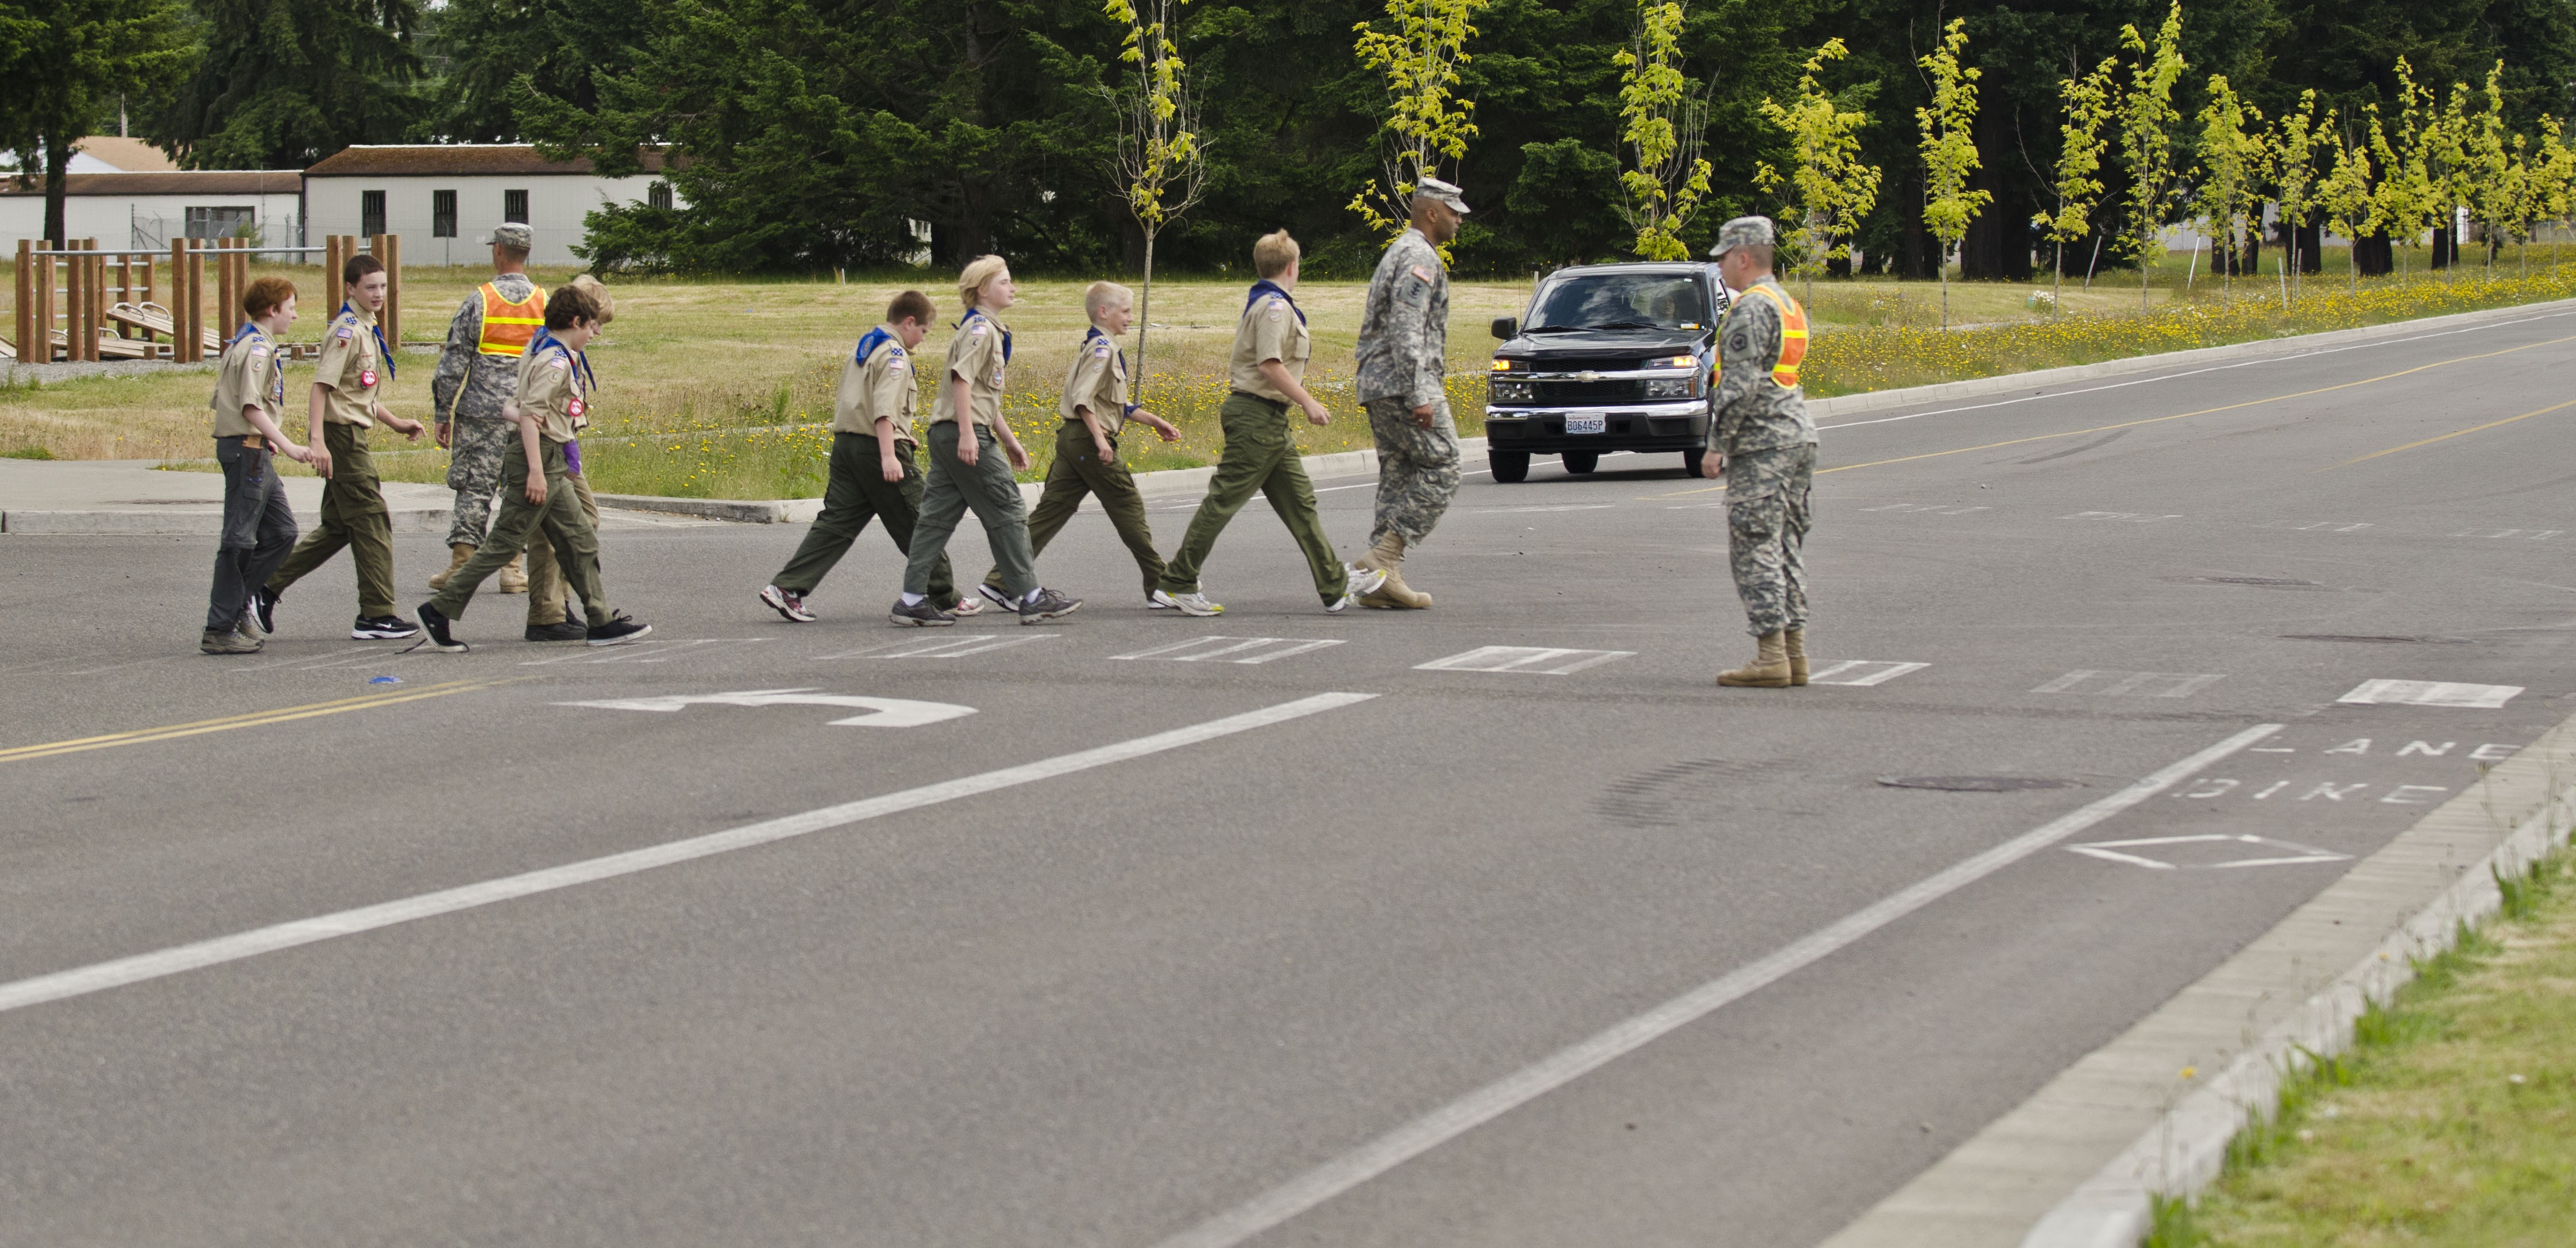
pixel 881 712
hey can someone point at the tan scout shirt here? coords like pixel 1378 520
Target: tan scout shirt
pixel 879 387
pixel 978 352
pixel 549 391
pixel 1271 330
pixel 1098 380
pixel 352 368
pixel 253 374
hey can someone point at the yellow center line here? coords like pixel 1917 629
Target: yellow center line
pixel 2453 434
pixel 254 719
pixel 2206 411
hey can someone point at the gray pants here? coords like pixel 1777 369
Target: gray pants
pixel 989 488
pixel 259 528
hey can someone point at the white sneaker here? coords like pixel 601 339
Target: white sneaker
pixel 999 597
pixel 965 607
pixel 1364 581
pixel 1341 604
pixel 1186 604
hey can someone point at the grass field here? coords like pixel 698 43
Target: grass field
pixel 720 388
pixel 2450 1124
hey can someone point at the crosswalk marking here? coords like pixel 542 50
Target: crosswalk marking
pixel 649 650
pixel 2144 684
pixel 2430 693
pixel 943 648
pixel 1862 672
pixel 1541 660
pixel 1247 650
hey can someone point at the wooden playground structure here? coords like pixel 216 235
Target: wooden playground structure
pixel 64 298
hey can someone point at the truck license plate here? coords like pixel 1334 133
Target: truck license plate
pixel 1595 423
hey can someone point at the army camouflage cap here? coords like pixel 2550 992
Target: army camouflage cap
pixel 514 234
pixel 1743 232
pixel 1434 188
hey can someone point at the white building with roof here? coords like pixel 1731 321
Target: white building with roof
pixel 444 199
pixel 147 210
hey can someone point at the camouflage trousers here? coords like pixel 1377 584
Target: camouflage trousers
pixel 474 452
pixel 1766 525
pixel 1417 468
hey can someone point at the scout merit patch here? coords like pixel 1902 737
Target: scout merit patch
pixel 573 408
pixel 366 379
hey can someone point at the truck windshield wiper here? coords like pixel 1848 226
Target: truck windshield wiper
pixel 1553 329
pixel 1625 325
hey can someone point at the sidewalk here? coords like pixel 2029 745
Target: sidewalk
pixel 131 496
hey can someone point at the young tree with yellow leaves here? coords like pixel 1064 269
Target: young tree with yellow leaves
pixel 1949 150
pixel 2232 164
pixel 2147 118
pixel 2079 160
pixel 1162 165
pixel 2350 208
pixel 2297 136
pixel 1833 190
pixel 1663 125
pixel 1426 122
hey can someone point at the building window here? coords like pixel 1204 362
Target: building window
pixel 442 214
pixel 225 222
pixel 658 195
pixel 514 206
pixel 371 212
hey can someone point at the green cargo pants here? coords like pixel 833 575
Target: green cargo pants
pixel 353 515
pixel 856 493
pixel 560 518
pixel 1078 470
pixel 1258 456
pixel 989 488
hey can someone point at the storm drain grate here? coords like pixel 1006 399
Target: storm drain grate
pixel 1978 784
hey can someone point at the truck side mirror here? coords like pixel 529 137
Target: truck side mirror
pixel 1507 327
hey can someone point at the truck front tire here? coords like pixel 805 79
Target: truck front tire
pixel 1691 460
pixel 1580 462
pixel 1510 467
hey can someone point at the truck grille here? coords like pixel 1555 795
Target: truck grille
pixel 1562 393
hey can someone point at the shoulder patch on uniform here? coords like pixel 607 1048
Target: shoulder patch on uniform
pixel 259 350
pixel 1421 274
pixel 893 353
pixel 1278 309
pixel 342 334
pixel 1740 342
pixel 978 330
pixel 1101 351
pixel 560 364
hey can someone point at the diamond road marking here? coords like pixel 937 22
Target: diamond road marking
pixel 2286 853
pixel 2430 693
pixel 1863 672
pixel 1247 650
pixel 1541 660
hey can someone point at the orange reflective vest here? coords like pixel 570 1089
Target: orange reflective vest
pixel 508 327
pixel 1793 336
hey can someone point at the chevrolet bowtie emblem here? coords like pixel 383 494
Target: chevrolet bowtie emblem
pixel 1587 375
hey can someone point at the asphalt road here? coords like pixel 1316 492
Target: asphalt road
pixel 1321 975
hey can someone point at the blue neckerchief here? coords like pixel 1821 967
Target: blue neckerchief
pixel 869 342
pixel 247 329
pixel 1267 287
pixel 383 352
pixel 581 374
pixel 972 313
pixel 1094 332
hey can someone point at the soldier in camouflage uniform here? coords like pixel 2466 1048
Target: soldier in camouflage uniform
pixel 476 371
pixel 1403 357
pixel 1764 444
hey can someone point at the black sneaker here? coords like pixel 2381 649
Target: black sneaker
pixel 434 624
pixel 997 595
pixel 1048 605
pixel 382 628
pixel 788 603
pixel 617 631
pixel 919 615
pixel 262 609
pixel 560 630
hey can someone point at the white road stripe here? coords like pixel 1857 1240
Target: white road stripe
pixel 1492 1101
pixel 102 976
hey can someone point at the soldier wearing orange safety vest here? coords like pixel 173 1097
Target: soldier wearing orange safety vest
pixel 1760 439
pixel 476 371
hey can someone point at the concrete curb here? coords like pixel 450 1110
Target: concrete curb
pixel 2057 378
pixel 2078 1164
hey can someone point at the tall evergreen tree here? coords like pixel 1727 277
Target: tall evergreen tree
pixel 63 64
pixel 477 50
pixel 283 83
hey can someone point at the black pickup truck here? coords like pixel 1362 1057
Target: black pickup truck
pixel 1612 357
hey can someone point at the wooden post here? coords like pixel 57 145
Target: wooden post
pixel 98 302
pixel 45 308
pixel 196 330
pixel 79 342
pixel 124 289
pixel 22 321
pixel 147 286
pixel 226 296
pixel 387 248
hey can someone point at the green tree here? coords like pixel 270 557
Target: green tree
pixel 2297 136
pixel 2231 172
pixel 479 50
pixel 2491 187
pixel 2147 118
pixel 2345 194
pixel 2409 193
pixel 1833 190
pixel 67 62
pixel 1162 168
pixel 2079 165
pixel 1949 126
pixel 284 83
pixel 1425 122
pixel 1664 121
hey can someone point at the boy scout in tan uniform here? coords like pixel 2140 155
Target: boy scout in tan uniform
pixel 874 473
pixel 347 382
pixel 259 526
pixel 537 493
pixel 1094 409
pixel 1267 371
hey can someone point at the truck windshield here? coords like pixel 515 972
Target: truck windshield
pixel 1621 301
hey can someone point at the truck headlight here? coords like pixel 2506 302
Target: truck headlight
pixel 1501 390
pixel 1673 387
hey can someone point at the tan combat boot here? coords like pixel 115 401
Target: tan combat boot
pixel 1395 595
pixel 1768 670
pixel 1794 640
pixel 514 575
pixel 461 551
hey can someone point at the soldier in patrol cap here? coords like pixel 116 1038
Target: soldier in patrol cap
pixel 476 370
pixel 1403 359
pixel 1761 440
pixel 348 381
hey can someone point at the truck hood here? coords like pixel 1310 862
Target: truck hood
pixel 1602 342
